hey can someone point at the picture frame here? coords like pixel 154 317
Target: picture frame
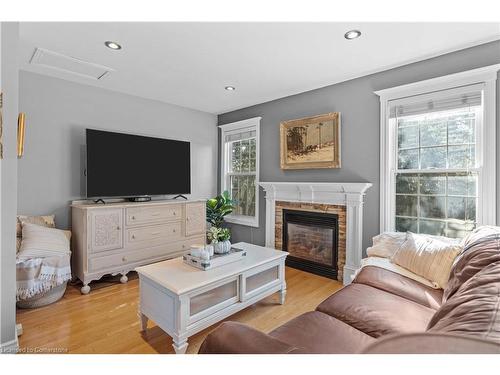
pixel 311 142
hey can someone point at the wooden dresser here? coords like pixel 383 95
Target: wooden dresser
pixel 114 238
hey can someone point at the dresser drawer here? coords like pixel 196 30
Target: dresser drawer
pixel 116 260
pixel 171 231
pixel 146 215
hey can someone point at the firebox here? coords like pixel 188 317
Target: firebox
pixel 311 238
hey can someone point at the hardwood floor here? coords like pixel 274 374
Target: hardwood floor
pixel 105 321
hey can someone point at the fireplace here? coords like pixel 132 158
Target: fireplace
pixel 344 199
pixel 311 238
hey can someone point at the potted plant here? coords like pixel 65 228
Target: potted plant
pixel 217 208
pixel 219 238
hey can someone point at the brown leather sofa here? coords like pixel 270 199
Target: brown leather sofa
pixel 384 312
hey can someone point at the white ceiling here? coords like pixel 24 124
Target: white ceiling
pixel 189 64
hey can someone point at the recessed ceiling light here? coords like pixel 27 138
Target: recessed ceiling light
pixel 230 88
pixel 112 45
pixel 352 34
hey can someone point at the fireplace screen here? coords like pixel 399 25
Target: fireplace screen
pixel 312 243
pixel 311 240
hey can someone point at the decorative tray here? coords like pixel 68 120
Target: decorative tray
pixel 216 260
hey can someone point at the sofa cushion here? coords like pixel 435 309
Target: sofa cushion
pixel 386 244
pixel 315 332
pixel 474 309
pixel 238 338
pixel 427 256
pixel 480 248
pixel 400 285
pixel 431 343
pixel 376 312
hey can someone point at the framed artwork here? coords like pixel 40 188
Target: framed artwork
pixel 310 143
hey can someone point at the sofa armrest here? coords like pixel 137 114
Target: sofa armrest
pixel 237 338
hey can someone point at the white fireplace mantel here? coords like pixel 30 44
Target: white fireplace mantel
pixel 349 194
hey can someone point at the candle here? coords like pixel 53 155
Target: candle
pixel 196 250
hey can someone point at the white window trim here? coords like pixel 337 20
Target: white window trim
pixel 239 125
pixel 485 136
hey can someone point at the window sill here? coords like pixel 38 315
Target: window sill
pixel 243 220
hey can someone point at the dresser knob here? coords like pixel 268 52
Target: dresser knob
pixel 175 213
pixel 133 218
pixel 118 228
pixel 133 236
pixel 173 230
pixel 124 259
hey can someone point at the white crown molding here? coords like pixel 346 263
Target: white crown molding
pixel 254 121
pixel 349 194
pixel 468 77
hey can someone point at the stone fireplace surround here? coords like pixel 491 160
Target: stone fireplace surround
pixel 344 199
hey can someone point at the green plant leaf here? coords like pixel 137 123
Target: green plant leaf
pixel 211 203
pixel 217 208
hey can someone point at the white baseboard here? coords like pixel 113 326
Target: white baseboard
pixel 9 347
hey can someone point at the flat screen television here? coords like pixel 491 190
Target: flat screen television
pixel 128 166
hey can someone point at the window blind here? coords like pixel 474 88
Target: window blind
pixel 240 135
pixel 465 97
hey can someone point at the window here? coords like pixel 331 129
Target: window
pixel 438 155
pixel 436 173
pixel 240 169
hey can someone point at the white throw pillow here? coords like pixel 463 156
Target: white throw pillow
pixel 428 256
pixel 386 244
pixel 44 220
pixel 40 242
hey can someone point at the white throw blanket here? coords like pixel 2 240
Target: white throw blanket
pixel 39 275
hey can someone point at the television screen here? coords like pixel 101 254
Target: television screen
pixel 127 165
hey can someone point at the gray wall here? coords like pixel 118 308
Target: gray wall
pixel 8 183
pixel 359 108
pixel 57 113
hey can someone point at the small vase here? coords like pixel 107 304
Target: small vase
pixel 205 254
pixel 210 249
pixel 222 247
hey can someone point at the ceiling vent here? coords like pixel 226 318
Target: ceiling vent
pixel 68 64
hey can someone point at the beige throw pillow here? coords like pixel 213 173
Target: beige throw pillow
pixel 386 244
pixel 40 242
pixel 45 220
pixel 428 256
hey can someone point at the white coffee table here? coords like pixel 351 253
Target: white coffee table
pixel 184 300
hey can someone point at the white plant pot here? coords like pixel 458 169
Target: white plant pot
pixel 222 247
